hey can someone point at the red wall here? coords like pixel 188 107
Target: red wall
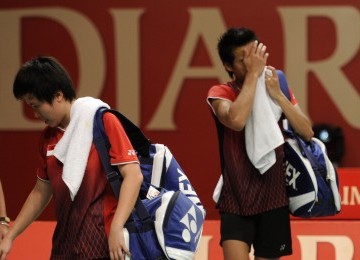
pixel 156 61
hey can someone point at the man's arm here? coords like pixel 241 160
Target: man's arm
pixel 234 115
pixel 37 200
pixel 298 120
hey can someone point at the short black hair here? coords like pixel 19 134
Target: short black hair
pixel 43 77
pixel 230 40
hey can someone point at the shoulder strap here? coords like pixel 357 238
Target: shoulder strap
pixel 283 84
pixel 102 145
pixel 285 89
pixel 307 151
pixel 137 138
pixel 303 147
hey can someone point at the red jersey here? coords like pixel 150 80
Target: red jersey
pixel 245 191
pixel 84 223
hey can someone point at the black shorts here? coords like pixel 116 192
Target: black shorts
pixel 269 232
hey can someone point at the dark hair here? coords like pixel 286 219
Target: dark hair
pixel 230 40
pixel 43 77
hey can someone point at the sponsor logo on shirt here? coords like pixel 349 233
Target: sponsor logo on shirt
pixel 282 247
pixel 131 152
pixel 50 150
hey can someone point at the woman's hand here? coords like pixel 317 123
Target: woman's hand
pixel 117 246
pixel 3 230
pixel 5 247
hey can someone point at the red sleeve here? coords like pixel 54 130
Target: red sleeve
pixel 121 150
pixel 41 170
pixel 220 92
pixel 48 139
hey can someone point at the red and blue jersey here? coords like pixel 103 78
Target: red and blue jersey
pixel 84 223
pixel 245 191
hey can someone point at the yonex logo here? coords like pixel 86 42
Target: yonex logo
pixel 282 247
pixel 189 220
pixel 186 188
pixel 292 174
pixel 131 152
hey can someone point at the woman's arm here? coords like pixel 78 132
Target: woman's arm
pixel 2 202
pixel 36 202
pixel 3 225
pixel 129 192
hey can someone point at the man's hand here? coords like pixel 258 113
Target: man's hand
pixel 256 58
pixel 272 83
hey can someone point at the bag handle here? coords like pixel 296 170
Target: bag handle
pixel 283 84
pixel 290 132
pixel 304 148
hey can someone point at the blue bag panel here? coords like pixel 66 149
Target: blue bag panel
pixel 309 186
pixel 332 178
pixel 176 179
pixel 144 246
pixel 324 206
pixel 153 204
pixel 146 170
pixel 179 223
pixel 165 172
pixel 299 183
pixel 191 223
pixel 143 241
pixel 297 174
pixel 319 164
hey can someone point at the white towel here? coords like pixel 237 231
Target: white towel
pixel 74 147
pixel 262 132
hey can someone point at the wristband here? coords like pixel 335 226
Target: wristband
pixel 5 219
pixel 4 223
